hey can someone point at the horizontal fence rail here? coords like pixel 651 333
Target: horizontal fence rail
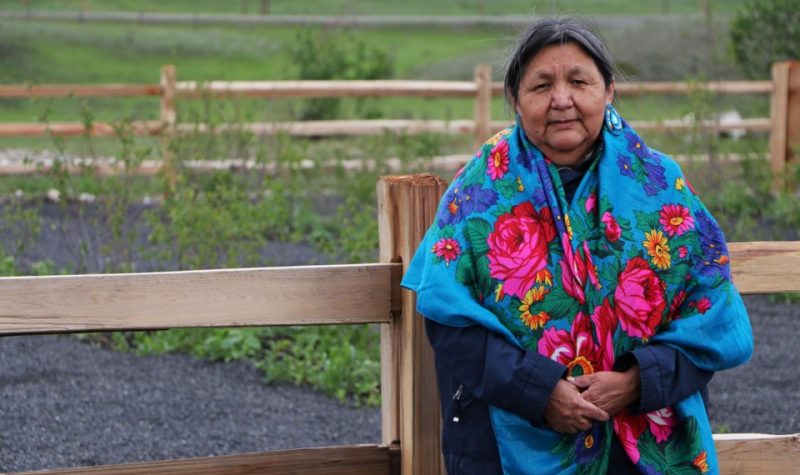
pixel 783 124
pixel 765 267
pixel 307 295
pixel 340 460
pixel 352 88
pixel 757 454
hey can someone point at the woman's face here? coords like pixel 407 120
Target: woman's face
pixel 561 102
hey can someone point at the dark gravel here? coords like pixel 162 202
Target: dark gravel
pixel 65 402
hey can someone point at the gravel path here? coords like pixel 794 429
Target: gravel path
pixel 66 403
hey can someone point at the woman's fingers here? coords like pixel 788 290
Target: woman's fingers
pixel 568 412
pixel 591 411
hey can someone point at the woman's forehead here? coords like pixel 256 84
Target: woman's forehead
pixel 566 58
pixel 569 53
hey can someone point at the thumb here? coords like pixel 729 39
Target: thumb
pixel 582 382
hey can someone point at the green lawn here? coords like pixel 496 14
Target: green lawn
pixel 387 7
pixel 40 52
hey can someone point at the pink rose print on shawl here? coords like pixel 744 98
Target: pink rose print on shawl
pixel 591 269
pixel 702 305
pixel 591 201
pixel 613 231
pixel 518 248
pixel 575 269
pixel 573 272
pixel 677 301
pixel 639 299
pixel 498 161
pixel 660 423
pixel 574 349
pixel 605 324
pixel 629 428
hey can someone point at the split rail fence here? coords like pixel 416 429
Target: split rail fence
pixel 783 124
pixel 346 294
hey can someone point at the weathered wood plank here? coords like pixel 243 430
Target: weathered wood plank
pixel 233 297
pixel 757 454
pixel 410 399
pixel 344 460
pixel 77 129
pixel 78 90
pixel 766 267
pixel 351 88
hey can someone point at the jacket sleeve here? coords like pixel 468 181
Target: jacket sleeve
pixel 667 376
pixel 493 370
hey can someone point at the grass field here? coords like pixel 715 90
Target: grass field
pixel 385 7
pixel 39 52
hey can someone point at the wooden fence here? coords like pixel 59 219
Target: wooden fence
pixel 346 294
pixel 783 123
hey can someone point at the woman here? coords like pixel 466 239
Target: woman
pixel 577 292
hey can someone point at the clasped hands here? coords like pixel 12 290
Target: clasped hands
pixel 576 402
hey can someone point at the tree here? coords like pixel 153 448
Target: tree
pixel 764 32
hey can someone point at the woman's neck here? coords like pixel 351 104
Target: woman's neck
pixel 575 161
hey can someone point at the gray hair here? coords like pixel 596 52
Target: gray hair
pixel 549 31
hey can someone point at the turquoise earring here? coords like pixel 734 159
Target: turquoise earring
pixel 613 121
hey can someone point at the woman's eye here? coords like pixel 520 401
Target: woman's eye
pixel 541 87
pixel 578 82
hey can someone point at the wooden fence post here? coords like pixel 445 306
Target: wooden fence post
pixel 410 402
pixel 483 104
pixel 785 118
pixel 168 118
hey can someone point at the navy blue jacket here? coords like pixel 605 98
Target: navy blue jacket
pixel 476 368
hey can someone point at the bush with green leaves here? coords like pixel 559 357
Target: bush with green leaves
pixel 341 360
pixel 331 54
pixel 764 32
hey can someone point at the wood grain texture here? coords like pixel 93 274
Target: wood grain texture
pixel 758 454
pixel 483 104
pixel 765 267
pixel 779 118
pixel 77 129
pixel 351 88
pixel 410 399
pixel 344 460
pixel 215 298
pixel 79 90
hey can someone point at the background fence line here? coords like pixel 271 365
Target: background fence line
pixel 783 124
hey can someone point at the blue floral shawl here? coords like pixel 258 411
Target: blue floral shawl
pixel 634 258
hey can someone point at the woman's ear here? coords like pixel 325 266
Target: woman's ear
pixel 610 90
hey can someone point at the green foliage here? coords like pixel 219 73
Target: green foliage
pixel 408 7
pixel 8 266
pixel 328 54
pixel 343 361
pixel 764 32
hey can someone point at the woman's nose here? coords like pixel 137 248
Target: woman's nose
pixel 561 98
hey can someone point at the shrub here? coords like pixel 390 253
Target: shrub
pixel 326 55
pixel 764 32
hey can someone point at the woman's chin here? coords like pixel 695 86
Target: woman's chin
pixel 569 148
